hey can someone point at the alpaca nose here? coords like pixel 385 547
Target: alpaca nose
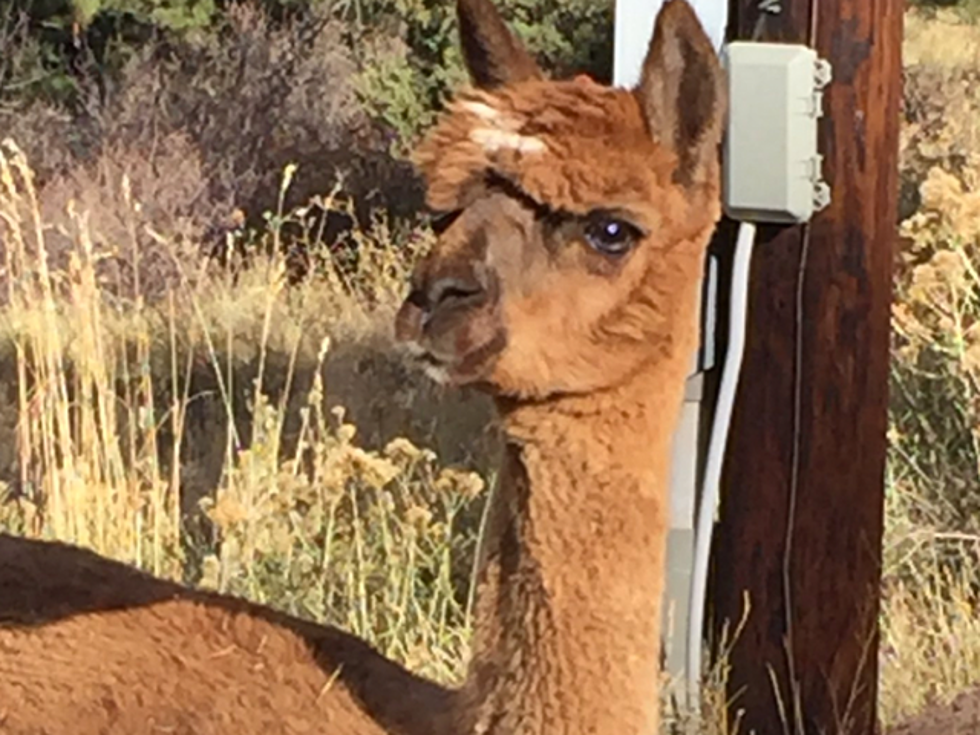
pixel 452 293
pixel 440 295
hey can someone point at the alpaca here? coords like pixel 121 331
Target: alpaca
pixel 565 283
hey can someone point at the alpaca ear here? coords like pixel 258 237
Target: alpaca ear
pixel 682 91
pixel 493 55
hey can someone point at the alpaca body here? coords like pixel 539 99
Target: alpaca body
pixel 90 646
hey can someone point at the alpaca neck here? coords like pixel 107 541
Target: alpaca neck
pixel 568 600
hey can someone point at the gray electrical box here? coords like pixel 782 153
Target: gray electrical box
pixel 772 169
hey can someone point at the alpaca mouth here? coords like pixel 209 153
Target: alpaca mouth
pixel 436 367
pixel 455 346
pixel 459 368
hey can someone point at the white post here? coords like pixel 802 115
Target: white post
pixel 633 29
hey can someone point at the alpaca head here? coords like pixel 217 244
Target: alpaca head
pixel 573 216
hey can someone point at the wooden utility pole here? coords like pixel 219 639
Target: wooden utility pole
pixel 802 494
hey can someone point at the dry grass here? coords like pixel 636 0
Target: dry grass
pixel 379 541
pixel 931 631
pixel 942 39
pixel 930 637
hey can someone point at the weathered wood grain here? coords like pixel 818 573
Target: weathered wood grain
pixel 803 488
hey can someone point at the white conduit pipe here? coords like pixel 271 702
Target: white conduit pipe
pixel 716 449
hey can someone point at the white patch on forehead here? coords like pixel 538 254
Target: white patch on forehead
pixel 493 140
pixel 481 110
pixel 501 131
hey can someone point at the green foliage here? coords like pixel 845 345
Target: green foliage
pixel 175 14
pixel 406 50
pixel 61 20
pixel 567 35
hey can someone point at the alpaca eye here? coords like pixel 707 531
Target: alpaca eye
pixel 611 236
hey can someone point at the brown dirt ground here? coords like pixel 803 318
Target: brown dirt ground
pixel 960 717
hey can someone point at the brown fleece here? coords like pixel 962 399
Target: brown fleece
pixel 567 627
pixel 590 375
pixel 90 646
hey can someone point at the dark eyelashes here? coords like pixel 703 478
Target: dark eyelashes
pixel 554 217
pixel 541 211
pixel 442 221
pixel 606 231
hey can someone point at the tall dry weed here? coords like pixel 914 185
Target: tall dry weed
pixel 106 423
pixel 930 647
